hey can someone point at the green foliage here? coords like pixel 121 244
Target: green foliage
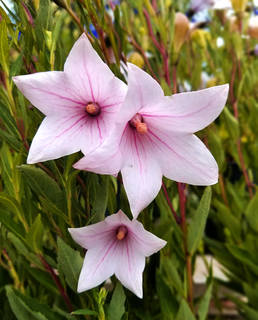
pixel 39 262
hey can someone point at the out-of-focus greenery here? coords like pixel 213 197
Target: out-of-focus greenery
pixel 40 264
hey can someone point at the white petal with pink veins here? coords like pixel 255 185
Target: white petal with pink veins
pixel 130 267
pixel 51 92
pixel 188 112
pixel 141 172
pixel 57 137
pixel 110 251
pixel 184 158
pixel 145 242
pixel 99 264
pixel 91 75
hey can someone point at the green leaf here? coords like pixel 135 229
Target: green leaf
pixel 167 299
pixel 116 308
pixel 7 220
pixel 41 184
pixel 197 225
pixel 4 50
pixel 35 234
pixel 231 123
pixel 20 308
pixel 203 307
pixel 172 275
pixel 69 263
pixel 243 256
pixel 252 213
pixel 85 312
pixel 184 312
pixel 99 196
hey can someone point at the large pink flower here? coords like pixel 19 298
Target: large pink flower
pixel 79 103
pixel 117 246
pixel 153 136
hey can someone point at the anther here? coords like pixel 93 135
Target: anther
pixel 141 127
pixel 92 108
pixel 137 123
pixel 121 233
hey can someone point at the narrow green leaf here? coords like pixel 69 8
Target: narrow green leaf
pixel 116 308
pixel 197 225
pixel 41 184
pixel 69 263
pixel 252 213
pixel 184 312
pixel 85 312
pixel 4 51
pixel 35 235
pixel 204 303
pixel 231 123
pixel 7 220
pixel 20 308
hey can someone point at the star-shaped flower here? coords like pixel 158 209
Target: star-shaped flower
pixel 153 136
pixel 117 246
pixel 79 103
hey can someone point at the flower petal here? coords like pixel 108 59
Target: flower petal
pixel 188 112
pixel 130 267
pixel 92 77
pixel 143 91
pixel 106 159
pixel 141 172
pixel 99 264
pixel 144 241
pixel 51 92
pixel 184 158
pixel 57 137
pixel 93 235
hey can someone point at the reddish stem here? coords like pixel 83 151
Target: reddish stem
pixel 233 100
pixel 182 202
pixel 159 46
pixel 174 76
pixel 170 203
pixel 146 60
pixel 61 289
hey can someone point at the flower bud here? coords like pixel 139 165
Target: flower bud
pixel 181 30
pixel 253 27
pixel 239 5
pixel 136 59
pixel 233 24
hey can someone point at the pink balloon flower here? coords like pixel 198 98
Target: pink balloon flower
pixel 79 103
pixel 153 136
pixel 117 246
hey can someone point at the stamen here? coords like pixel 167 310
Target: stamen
pixel 121 233
pixel 141 127
pixel 93 109
pixel 137 123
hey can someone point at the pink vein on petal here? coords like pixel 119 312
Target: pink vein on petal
pixel 78 120
pixel 57 95
pixel 105 255
pixel 100 135
pixel 128 256
pixel 179 115
pixel 178 155
pixel 89 80
pixel 137 150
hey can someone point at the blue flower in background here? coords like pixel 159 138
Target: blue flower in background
pixel 94 31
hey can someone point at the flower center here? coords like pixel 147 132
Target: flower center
pixel 138 123
pixel 121 232
pixel 93 109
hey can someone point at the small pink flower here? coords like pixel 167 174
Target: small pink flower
pixel 79 103
pixel 153 136
pixel 117 246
